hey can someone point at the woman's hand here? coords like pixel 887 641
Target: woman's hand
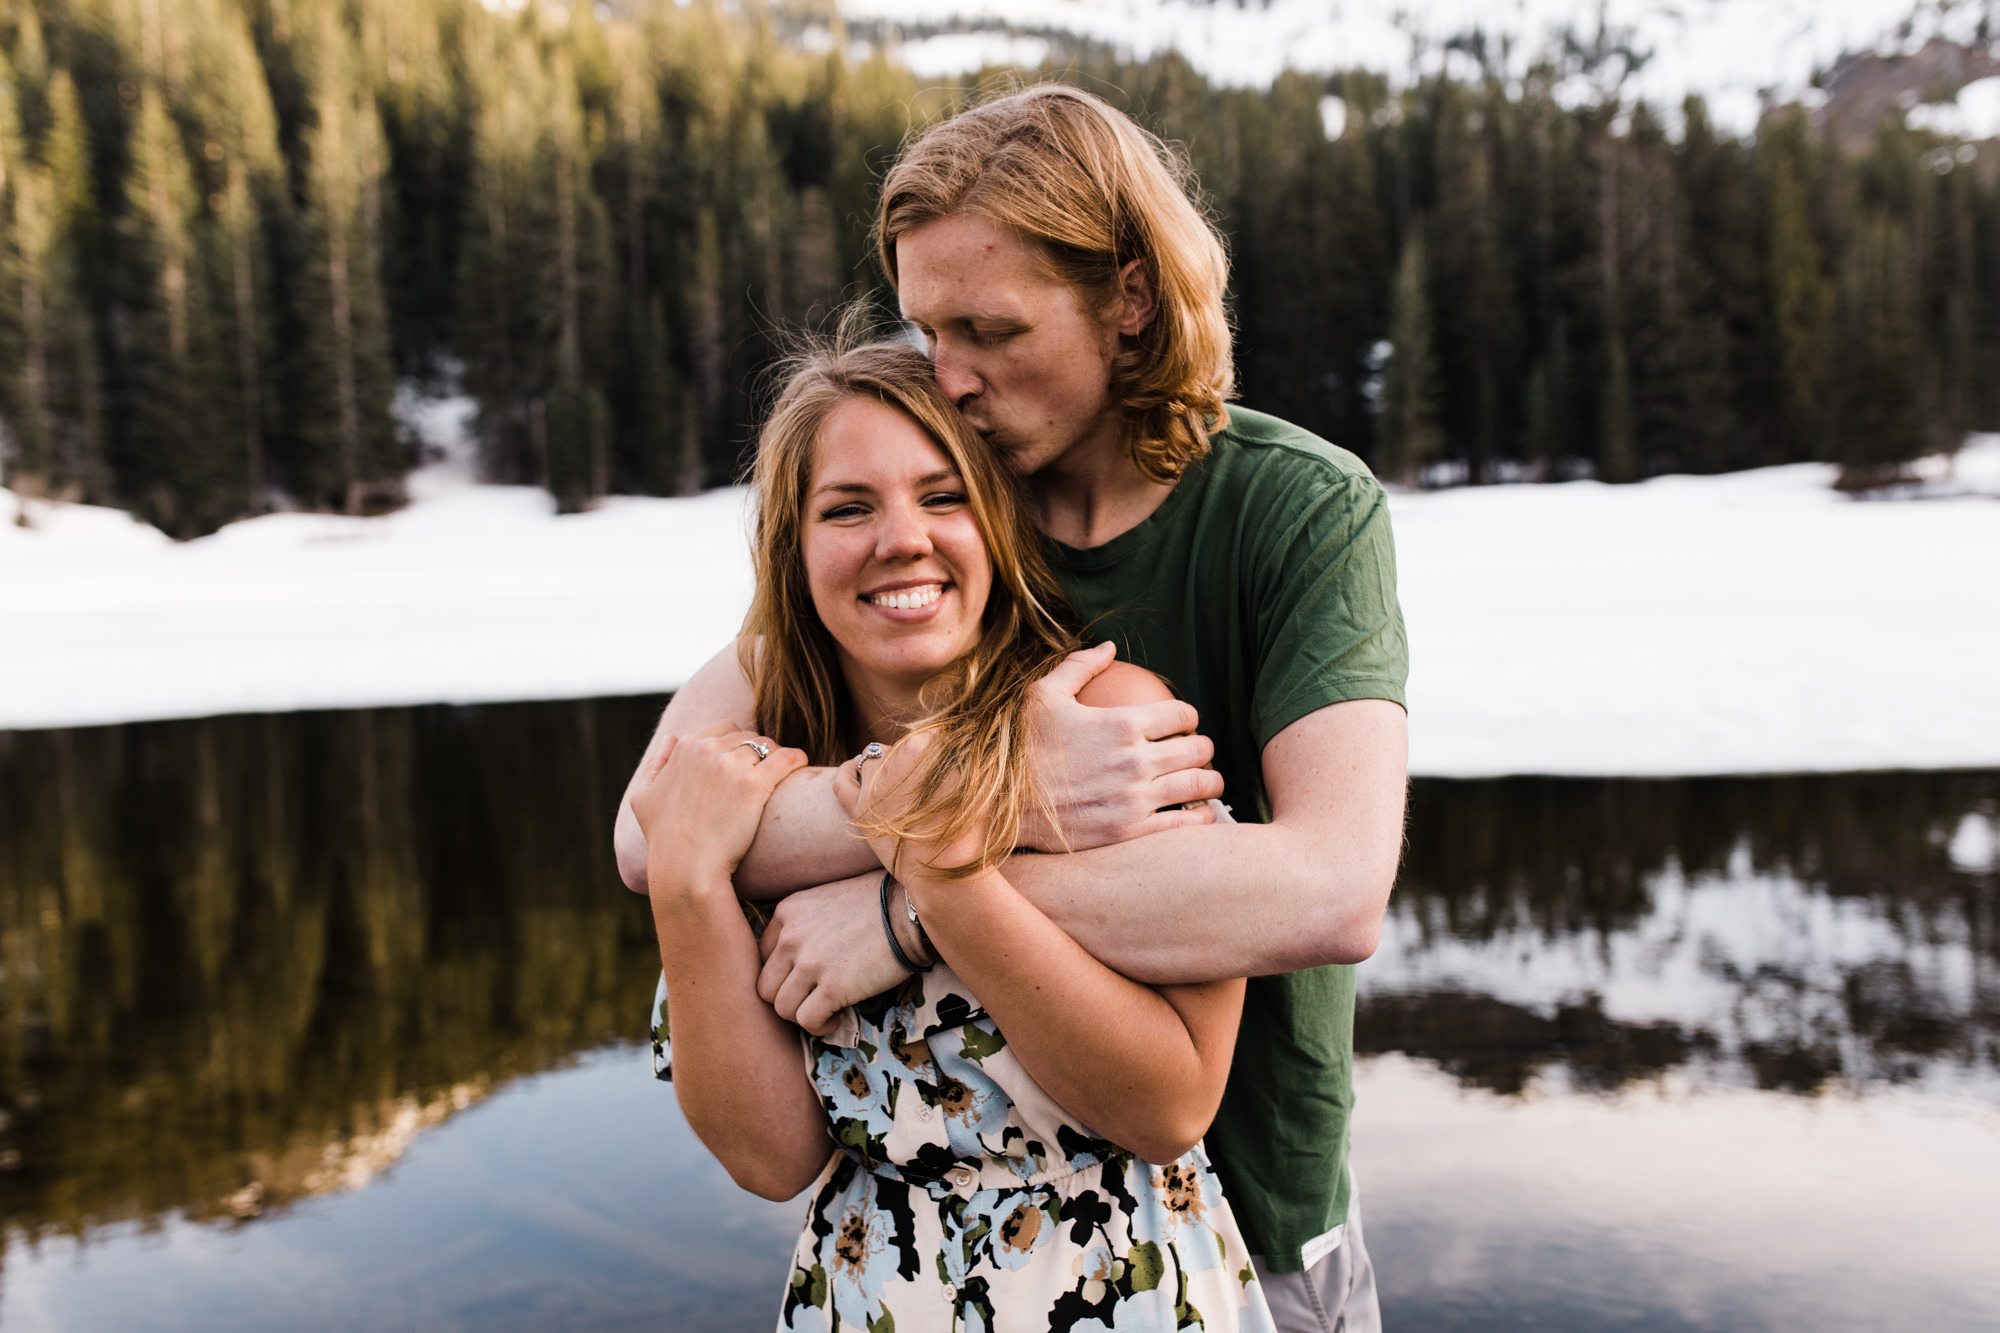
pixel 880 790
pixel 699 801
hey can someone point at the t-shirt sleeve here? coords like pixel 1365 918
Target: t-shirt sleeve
pixel 1329 627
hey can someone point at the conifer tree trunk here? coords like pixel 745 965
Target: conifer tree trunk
pixel 240 218
pixel 341 312
pixel 32 241
pixel 1615 450
pixel 1410 435
pixel 1801 297
pixel 707 351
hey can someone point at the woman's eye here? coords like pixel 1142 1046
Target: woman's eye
pixel 945 499
pixel 839 512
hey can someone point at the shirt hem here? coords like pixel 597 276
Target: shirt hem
pixel 1347 689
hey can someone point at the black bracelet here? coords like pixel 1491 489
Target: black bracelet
pixel 889 929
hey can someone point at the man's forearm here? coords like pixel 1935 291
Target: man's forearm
pixel 1202 904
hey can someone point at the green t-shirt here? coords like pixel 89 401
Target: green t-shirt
pixel 1264 589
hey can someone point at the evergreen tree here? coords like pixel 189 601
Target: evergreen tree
pixel 22 448
pixel 415 57
pixel 345 446
pixel 1723 293
pixel 1801 296
pixel 78 463
pixel 1617 458
pixel 1880 420
pixel 577 447
pixel 1409 425
pixel 250 206
pixel 175 466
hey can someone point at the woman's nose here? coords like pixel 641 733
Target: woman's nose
pixel 903 535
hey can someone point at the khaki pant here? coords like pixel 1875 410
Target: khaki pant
pixel 1335 1295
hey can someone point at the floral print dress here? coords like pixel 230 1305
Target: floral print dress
pixel 963 1198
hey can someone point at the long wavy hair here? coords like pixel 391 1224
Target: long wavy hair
pixel 1091 191
pixel 976 708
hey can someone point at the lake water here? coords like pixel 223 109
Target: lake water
pixel 333 1021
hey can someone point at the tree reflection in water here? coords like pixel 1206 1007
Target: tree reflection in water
pixel 247 959
pixel 1776 932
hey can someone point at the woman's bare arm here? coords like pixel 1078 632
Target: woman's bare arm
pixel 738 1069
pixel 1141 1065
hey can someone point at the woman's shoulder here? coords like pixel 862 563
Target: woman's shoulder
pixel 1123 683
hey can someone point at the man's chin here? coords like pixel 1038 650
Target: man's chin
pixel 1010 450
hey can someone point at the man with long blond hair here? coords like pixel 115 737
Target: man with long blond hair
pixel 1070 294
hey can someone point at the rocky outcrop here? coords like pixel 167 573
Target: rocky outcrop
pixel 1862 89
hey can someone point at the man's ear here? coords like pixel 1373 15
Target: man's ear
pixel 1138 301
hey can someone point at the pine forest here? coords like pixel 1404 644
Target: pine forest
pixel 229 229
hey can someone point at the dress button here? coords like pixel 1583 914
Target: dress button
pixel 923 1112
pixel 964 1177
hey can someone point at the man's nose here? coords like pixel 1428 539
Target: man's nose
pixel 957 382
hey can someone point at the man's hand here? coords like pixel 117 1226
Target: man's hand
pixel 824 950
pixel 1113 774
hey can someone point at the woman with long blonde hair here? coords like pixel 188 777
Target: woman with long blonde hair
pixel 1008 1140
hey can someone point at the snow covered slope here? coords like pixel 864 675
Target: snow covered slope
pixel 1733 52
pixel 1744 623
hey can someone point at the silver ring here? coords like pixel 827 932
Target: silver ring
pixel 763 750
pixel 873 750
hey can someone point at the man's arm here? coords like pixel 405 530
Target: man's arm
pixel 1306 889
pixel 1180 906
pixel 1121 767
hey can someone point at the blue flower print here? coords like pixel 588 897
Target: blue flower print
pixel 856 1093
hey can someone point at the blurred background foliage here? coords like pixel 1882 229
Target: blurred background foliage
pixel 228 228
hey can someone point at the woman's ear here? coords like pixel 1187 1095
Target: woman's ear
pixel 1138 302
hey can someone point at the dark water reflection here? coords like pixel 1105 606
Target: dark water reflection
pixel 1781 933
pixel 246 959
pixel 307 994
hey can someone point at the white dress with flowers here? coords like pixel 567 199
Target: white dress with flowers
pixel 963 1197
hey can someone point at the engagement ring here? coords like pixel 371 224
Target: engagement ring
pixel 763 750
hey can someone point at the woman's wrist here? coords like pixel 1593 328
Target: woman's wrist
pixel 673 883
pixel 907 925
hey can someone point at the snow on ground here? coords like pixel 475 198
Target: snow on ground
pixel 1733 52
pixel 1754 622
pixel 1746 623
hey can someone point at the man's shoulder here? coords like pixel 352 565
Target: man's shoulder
pixel 1260 454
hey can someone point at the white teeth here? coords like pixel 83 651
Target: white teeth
pixel 910 598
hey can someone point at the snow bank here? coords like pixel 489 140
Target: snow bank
pixel 1755 622
pixel 1745 623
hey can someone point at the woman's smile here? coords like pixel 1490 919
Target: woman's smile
pixel 919 598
